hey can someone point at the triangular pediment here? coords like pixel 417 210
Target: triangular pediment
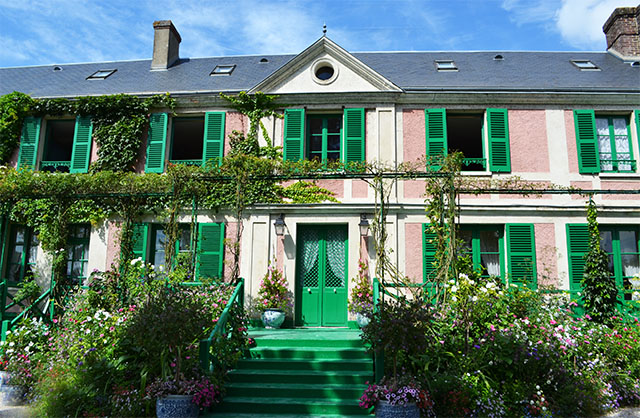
pixel 324 67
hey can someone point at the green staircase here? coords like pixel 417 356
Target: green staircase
pixel 299 372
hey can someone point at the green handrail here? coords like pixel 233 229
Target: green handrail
pixel 378 358
pixel 9 324
pixel 205 345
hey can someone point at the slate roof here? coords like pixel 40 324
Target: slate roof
pixel 411 71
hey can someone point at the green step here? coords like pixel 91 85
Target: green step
pixel 298 390
pixel 308 343
pixel 300 406
pixel 318 365
pixel 271 415
pixel 296 353
pixel 300 376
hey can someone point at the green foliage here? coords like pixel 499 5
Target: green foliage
pixel 255 107
pixel 361 298
pixel 307 192
pixel 28 289
pixel 274 292
pixel 13 109
pixel 599 287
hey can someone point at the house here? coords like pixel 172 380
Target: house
pixel 569 119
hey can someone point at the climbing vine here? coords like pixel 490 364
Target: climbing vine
pixel 13 109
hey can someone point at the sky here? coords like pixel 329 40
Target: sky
pixel 43 32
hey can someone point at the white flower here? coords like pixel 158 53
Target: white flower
pixel 490 285
pixel 474 299
pixel 454 288
pixel 463 276
pixel 483 289
pixel 88 331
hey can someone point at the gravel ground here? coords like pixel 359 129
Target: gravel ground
pixel 14 411
pixel 625 413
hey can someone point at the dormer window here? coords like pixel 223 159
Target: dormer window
pixel 223 70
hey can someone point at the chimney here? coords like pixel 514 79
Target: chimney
pixel 166 42
pixel 623 32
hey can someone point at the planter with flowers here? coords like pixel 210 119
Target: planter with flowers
pixel 182 398
pixel 361 300
pixel 401 330
pixel 274 299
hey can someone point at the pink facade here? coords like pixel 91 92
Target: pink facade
pixel 359 189
pixel 113 243
pixel 572 147
pixel 528 141
pixel 234 121
pixel 334 186
pixel 413 135
pixel 413 252
pixel 94 151
pixel 620 185
pixel 546 255
pixel 414 189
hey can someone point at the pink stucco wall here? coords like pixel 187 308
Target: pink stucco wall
pixel 230 229
pixel 585 185
pixel 572 149
pixel 138 165
pixel 113 243
pixel 359 189
pixel 334 186
pixel 414 189
pixel 94 151
pixel 413 137
pixel 235 121
pixel 413 251
pixel 546 257
pixel 528 141
pixel 620 185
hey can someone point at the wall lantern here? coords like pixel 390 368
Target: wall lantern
pixel 279 225
pixel 364 225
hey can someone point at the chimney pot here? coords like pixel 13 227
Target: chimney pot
pixel 622 29
pixel 166 44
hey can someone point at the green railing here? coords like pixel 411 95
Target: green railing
pixel 34 308
pixel 480 161
pixel 614 165
pixel 55 165
pixel 378 358
pixel 222 327
pixel 186 162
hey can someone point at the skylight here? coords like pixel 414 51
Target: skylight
pixel 101 74
pixel 585 65
pixel 446 65
pixel 223 70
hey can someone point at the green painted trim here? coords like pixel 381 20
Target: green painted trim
pixel 352 325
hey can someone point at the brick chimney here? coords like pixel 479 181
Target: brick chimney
pixel 623 32
pixel 166 43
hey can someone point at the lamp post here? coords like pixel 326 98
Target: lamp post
pixel 364 225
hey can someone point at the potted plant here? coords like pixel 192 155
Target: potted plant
pixel 401 329
pixel 361 300
pixel 274 300
pixel 182 397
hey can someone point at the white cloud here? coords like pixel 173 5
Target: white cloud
pixel 580 22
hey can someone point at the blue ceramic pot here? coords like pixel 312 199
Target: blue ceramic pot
pixel 362 320
pixel 273 318
pixel 385 410
pixel 176 406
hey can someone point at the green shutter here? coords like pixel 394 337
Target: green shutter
pixel 521 254
pixel 213 148
pixel 156 143
pixel 210 250
pixel 81 153
pixel 354 133
pixel 587 141
pixel 637 112
pixel 577 247
pixel 293 134
pixel 428 258
pixel 28 153
pixel 436 134
pixel 140 240
pixel 498 130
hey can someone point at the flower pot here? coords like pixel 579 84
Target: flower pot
pixel 176 406
pixel 385 410
pixel 273 318
pixel 10 395
pixel 362 320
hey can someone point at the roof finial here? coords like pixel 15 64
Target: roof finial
pixel 324 29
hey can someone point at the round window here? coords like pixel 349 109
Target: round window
pixel 324 73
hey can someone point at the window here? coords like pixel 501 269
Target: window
pixel 66 148
pixel 223 70
pixel 604 142
pixel 195 140
pixel 446 65
pixel 489 249
pixel 326 137
pixel 614 144
pixel 621 243
pixel 585 65
pixel 485 245
pixel 78 253
pixel 187 140
pixel 101 74
pixel 149 244
pixel 23 248
pixel 449 131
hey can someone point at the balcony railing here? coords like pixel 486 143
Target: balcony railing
pixel 620 164
pixel 63 166
pixel 186 162
pixel 480 161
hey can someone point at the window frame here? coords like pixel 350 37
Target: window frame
pixel 617 256
pixel 72 241
pixel 57 165
pixel 25 262
pixel 196 162
pixel 308 135
pixel 612 141
pixel 484 141
pixel 476 251
pixel 153 250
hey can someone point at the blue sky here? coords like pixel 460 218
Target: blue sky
pixel 39 32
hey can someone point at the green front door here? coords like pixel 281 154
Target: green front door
pixel 321 280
